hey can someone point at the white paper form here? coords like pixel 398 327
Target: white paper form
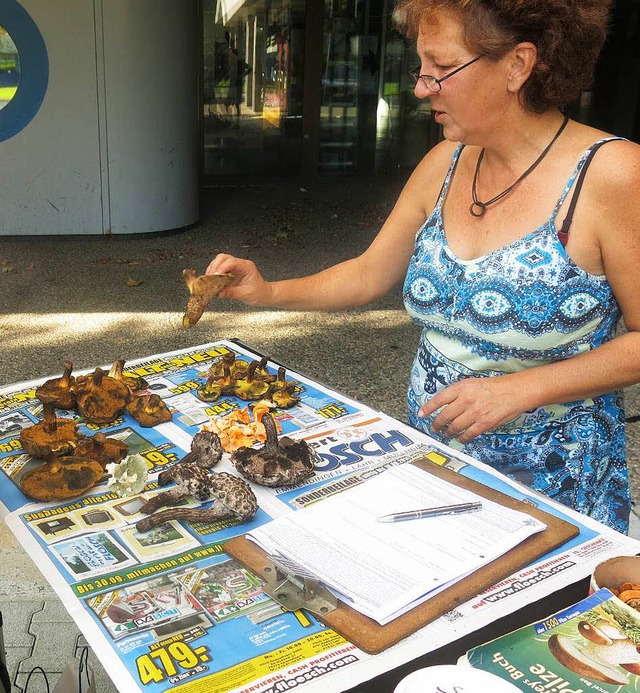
pixel 384 569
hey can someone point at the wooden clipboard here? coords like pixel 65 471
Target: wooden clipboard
pixel 373 638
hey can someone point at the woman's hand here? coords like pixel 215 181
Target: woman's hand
pixel 473 406
pixel 248 285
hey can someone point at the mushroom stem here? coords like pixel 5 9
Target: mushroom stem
pixel 97 376
pixel 271 442
pixel 172 497
pixel 217 512
pixel 65 380
pixel 49 417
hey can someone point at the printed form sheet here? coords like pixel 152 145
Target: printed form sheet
pixel 383 569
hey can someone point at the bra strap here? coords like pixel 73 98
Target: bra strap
pixel 563 232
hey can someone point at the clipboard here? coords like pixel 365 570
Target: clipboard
pixel 373 638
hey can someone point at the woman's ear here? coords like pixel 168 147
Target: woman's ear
pixel 522 60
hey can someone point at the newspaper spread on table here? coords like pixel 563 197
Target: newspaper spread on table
pixel 169 610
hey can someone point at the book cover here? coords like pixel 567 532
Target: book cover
pixel 593 645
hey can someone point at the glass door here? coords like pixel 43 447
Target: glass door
pixel 253 68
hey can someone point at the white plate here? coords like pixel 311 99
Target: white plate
pixel 450 677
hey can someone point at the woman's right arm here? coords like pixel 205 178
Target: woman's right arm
pixel 362 279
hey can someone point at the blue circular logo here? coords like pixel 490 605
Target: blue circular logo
pixel 34 69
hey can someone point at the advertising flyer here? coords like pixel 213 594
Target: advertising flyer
pixel 168 609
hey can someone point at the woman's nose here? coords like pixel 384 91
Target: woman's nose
pixel 421 90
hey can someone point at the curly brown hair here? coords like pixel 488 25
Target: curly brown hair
pixel 568 35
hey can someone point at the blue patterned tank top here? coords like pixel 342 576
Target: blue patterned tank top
pixel 523 305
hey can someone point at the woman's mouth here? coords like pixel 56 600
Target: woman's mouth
pixel 438 116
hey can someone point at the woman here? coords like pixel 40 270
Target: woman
pixel 517 363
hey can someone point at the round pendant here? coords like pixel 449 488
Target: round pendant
pixel 477 209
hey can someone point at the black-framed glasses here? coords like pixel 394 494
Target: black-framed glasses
pixel 433 83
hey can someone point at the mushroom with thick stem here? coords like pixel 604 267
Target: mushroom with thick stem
pixel 102 449
pixel 261 372
pixel 101 398
pixel 190 480
pixel 215 386
pixel 50 437
pixel 202 289
pixel 578 660
pixel 133 382
pixel 281 382
pixel 62 478
pixel 149 410
pixel 59 391
pixel 250 387
pixel 282 462
pixel 206 451
pixel 218 368
pixel 233 498
pixel 285 397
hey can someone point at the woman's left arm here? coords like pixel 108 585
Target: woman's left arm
pixel 611 204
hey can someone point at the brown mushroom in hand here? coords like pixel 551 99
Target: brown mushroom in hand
pixel 50 437
pixel 61 479
pixel 102 449
pixel 250 387
pixel 202 289
pixel 283 462
pixel 58 391
pixel 149 410
pixel 101 398
pixel 133 382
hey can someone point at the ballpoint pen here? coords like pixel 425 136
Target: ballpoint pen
pixel 432 512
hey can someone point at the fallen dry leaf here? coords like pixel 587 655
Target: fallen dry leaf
pixel 132 281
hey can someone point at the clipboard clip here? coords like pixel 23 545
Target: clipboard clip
pixel 293 592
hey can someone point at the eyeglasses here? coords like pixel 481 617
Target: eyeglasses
pixel 433 83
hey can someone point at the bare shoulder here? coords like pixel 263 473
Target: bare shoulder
pixel 427 178
pixel 614 187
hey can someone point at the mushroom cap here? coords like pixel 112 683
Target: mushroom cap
pixel 277 463
pixel 59 391
pixel 569 654
pixel 202 289
pixel 102 449
pixel 61 479
pixel 101 398
pixel 235 494
pixel 40 441
pixel 206 449
pixel 149 410
pixel 593 633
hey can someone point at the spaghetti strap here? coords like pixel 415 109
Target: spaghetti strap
pixel 445 183
pixel 578 176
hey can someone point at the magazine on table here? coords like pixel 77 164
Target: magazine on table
pixel 593 645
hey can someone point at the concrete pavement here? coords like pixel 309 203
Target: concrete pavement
pixel 92 300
